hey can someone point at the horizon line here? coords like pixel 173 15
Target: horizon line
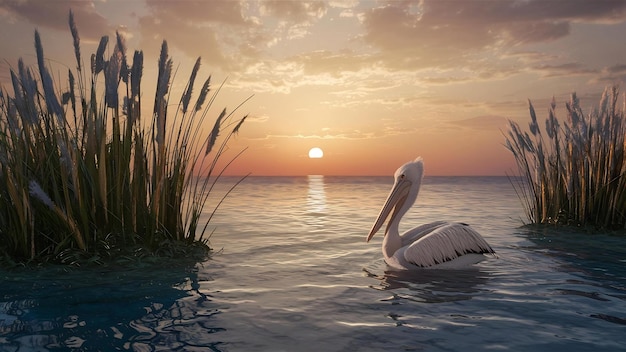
pixel 339 175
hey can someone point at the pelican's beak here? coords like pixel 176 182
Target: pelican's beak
pixel 395 200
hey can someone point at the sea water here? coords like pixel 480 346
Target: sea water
pixel 291 272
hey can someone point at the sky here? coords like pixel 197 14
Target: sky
pixel 372 83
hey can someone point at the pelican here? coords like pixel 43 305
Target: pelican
pixel 437 244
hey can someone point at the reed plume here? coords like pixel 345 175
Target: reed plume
pixel 573 172
pixel 105 181
pixel 76 39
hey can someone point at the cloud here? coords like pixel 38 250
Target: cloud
pixel 342 73
pixel 294 11
pixel 327 135
pixel 388 130
pixel 154 31
pixel 414 35
pixel 483 123
pixel 219 31
pixel 197 12
pixel 333 63
pixel 289 20
pixel 55 14
pixel 231 35
pixel 565 69
pixel 611 75
pixel 258 118
pixel 343 4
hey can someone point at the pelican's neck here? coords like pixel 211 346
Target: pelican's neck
pixel 392 241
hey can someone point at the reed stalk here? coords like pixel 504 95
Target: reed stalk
pixel 572 171
pixel 85 174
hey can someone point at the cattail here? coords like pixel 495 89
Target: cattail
pixel 528 143
pixel 160 108
pixel 160 101
pixel 66 159
pixel 126 107
pixel 203 93
pixel 29 87
pixel 71 91
pixel 19 95
pixel 22 72
pixel 572 110
pixel 136 73
pixel 52 102
pixel 36 191
pixel 534 127
pixel 214 132
pixel 97 61
pixel 516 135
pixel 163 59
pixel 132 104
pixel 76 38
pixel 12 118
pixel 121 46
pixel 236 129
pixel 187 94
pixel 39 51
pixel 111 78
pixel 552 124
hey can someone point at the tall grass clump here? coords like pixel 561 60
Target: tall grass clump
pixel 573 170
pixel 87 170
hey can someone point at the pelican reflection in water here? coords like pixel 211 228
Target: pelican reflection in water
pixel 438 244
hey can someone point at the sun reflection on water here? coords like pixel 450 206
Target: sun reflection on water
pixel 316 199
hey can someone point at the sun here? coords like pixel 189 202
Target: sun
pixel 316 153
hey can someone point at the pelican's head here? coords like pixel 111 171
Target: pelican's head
pixel 408 179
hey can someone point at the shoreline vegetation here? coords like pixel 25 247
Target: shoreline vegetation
pixel 86 177
pixel 573 170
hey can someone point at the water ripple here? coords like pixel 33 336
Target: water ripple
pixel 295 274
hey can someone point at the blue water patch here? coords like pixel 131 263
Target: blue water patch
pixel 104 309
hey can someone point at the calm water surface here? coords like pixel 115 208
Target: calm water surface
pixel 293 273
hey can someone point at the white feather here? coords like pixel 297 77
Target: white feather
pixel 446 242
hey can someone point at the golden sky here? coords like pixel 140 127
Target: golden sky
pixel 372 83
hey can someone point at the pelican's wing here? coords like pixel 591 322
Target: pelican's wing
pixel 445 243
pixel 420 231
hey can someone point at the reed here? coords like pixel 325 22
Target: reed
pixel 572 171
pixel 83 175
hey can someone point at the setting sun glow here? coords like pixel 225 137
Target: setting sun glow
pixel 316 153
pixel 376 82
